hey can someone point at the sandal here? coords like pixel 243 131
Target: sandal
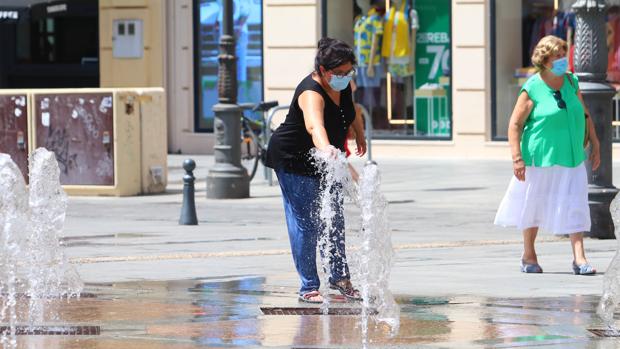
pixel 311 297
pixel 346 289
pixel 530 268
pixel 584 269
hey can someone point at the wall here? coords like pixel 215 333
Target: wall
pixel 141 72
pixel 508 33
pixel 291 31
pixel 180 82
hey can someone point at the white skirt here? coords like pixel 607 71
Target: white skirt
pixel 554 199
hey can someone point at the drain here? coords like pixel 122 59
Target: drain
pixel 313 311
pixel 604 333
pixel 397 202
pixel 52 330
pixel 456 189
pixel 63 296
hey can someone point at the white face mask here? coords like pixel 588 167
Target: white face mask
pixel 340 82
pixel 560 66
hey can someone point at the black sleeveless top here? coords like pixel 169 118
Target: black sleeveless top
pixel 290 144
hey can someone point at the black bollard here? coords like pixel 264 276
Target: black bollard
pixel 188 210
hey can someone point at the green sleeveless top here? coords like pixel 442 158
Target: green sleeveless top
pixel 553 136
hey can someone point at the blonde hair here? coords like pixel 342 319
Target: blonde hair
pixel 548 46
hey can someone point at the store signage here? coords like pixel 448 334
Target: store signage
pixel 433 38
pixel 433 65
pixel 9 14
pixel 57 8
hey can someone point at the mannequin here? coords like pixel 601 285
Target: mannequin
pixel 368 31
pixel 397 44
pixel 565 7
pixel 396 49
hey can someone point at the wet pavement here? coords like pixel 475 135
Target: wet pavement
pixel 456 276
pixel 227 313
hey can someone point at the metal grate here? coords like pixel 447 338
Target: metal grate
pixel 23 295
pixel 52 330
pixel 313 311
pixel 604 333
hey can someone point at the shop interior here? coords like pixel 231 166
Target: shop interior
pixel 403 53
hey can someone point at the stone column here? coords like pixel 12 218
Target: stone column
pixel 227 179
pixel 591 68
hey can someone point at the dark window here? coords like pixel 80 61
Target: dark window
pixel 248 26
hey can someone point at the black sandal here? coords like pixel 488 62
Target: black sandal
pixel 346 289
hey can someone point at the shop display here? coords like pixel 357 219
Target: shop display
pixel 403 73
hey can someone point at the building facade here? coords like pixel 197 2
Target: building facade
pixel 430 91
pixel 438 77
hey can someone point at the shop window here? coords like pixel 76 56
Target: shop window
pixel 404 63
pixel 516 28
pixel 50 44
pixel 248 30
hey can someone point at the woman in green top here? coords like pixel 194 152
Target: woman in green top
pixel 546 133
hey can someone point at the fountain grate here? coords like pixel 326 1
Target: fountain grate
pixel 52 330
pixel 64 296
pixel 313 311
pixel 604 333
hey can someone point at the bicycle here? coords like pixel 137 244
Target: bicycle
pixel 254 135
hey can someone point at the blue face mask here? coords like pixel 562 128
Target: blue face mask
pixel 340 82
pixel 560 66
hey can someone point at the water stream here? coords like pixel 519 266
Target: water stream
pixel 374 257
pixel 33 265
pixel 376 254
pixel 611 282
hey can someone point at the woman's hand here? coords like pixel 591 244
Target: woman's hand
pixel 518 167
pixel 595 155
pixel 515 129
pixel 360 142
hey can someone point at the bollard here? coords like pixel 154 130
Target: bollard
pixel 188 210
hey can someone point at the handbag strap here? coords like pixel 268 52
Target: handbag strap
pixel 570 81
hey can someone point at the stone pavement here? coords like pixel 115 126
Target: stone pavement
pixel 456 275
pixel 441 214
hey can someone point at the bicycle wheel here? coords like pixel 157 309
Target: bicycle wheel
pixel 249 151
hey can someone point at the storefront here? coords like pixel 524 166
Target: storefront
pixel 438 77
pixel 422 99
pixel 404 65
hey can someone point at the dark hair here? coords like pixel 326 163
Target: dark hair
pixel 333 53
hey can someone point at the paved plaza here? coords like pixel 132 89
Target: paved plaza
pixel 160 285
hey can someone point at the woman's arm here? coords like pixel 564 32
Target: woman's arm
pixel 358 129
pixel 595 153
pixel 312 105
pixel 521 112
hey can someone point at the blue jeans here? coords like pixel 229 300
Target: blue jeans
pixel 301 207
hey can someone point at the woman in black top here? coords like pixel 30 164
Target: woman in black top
pixel 320 114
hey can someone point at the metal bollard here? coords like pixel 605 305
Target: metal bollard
pixel 188 210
